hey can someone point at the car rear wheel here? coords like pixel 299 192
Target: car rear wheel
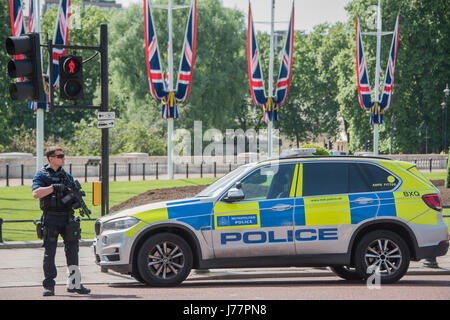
pixel 164 260
pixel 384 253
pixel 346 272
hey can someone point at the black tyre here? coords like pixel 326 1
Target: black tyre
pixel 346 272
pixel 164 260
pixel 383 252
pixel 138 277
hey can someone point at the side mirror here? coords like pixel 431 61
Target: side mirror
pixel 234 194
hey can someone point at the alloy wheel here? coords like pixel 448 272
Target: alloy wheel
pixel 383 255
pixel 165 260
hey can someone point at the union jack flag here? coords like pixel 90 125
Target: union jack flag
pixel 42 105
pixel 284 75
pixel 169 109
pixel 61 36
pixel 31 28
pixel 364 91
pixel 159 86
pixel 31 16
pixel 17 21
pixel 155 75
pixel 254 66
pixel 388 88
pixel 186 69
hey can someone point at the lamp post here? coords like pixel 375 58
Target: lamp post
pixel 444 107
pixel 424 125
pixel 393 128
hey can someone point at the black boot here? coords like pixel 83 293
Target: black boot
pixel 81 290
pixel 48 292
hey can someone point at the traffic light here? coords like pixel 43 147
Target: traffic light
pixel 71 77
pixel 25 65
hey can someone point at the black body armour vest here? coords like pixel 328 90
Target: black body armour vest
pixel 52 202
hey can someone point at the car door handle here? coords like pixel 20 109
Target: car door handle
pixel 281 207
pixel 364 200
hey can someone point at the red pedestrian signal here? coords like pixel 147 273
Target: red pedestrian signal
pixel 71 67
pixel 71 77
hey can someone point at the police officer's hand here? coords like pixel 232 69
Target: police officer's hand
pixel 58 187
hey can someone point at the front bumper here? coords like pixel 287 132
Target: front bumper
pixel 112 250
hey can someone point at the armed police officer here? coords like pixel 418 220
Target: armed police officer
pixel 51 185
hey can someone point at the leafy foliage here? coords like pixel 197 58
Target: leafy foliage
pixel 323 86
pixel 320 151
pixel 127 136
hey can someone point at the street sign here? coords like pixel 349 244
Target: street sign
pixel 104 124
pixel 106 115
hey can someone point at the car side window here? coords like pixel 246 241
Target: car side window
pixel 357 182
pixel 325 178
pixel 270 182
pixel 378 178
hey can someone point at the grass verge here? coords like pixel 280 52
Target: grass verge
pixel 17 203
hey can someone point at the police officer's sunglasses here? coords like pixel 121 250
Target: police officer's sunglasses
pixel 59 156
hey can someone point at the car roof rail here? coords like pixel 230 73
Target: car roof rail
pixel 328 156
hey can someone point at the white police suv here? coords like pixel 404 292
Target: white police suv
pixel 351 214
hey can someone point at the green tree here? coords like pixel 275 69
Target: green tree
pixel 83 32
pixel 219 81
pixel 126 136
pixel 312 106
pixel 421 72
pixel 14 116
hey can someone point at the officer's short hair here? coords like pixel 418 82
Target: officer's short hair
pixel 51 151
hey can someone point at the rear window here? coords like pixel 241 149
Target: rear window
pixel 357 182
pixel 378 179
pixel 337 178
pixel 420 176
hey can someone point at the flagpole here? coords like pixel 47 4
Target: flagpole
pixel 270 123
pixel 39 111
pixel 170 120
pixel 377 78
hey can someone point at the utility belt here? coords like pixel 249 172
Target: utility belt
pixel 72 230
pixel 58 213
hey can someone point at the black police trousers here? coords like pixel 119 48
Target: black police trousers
pixel 55 225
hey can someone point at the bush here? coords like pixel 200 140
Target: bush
pixel 126 137
pixel 319 150
pixel 25 141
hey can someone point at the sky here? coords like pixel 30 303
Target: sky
pixel 308 13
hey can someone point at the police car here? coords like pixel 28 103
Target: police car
pixel 356 215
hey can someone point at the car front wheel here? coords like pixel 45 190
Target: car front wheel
pixel 164 260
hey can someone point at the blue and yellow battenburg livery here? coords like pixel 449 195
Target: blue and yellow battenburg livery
pixel 296 226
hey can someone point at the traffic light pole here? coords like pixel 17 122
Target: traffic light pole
pixel 104 106
pixel 39 111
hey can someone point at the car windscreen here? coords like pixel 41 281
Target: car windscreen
pixel 223 182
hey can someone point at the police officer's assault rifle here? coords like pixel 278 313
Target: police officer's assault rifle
pixel 75 195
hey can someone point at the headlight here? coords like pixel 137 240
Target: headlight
pixel 120 223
